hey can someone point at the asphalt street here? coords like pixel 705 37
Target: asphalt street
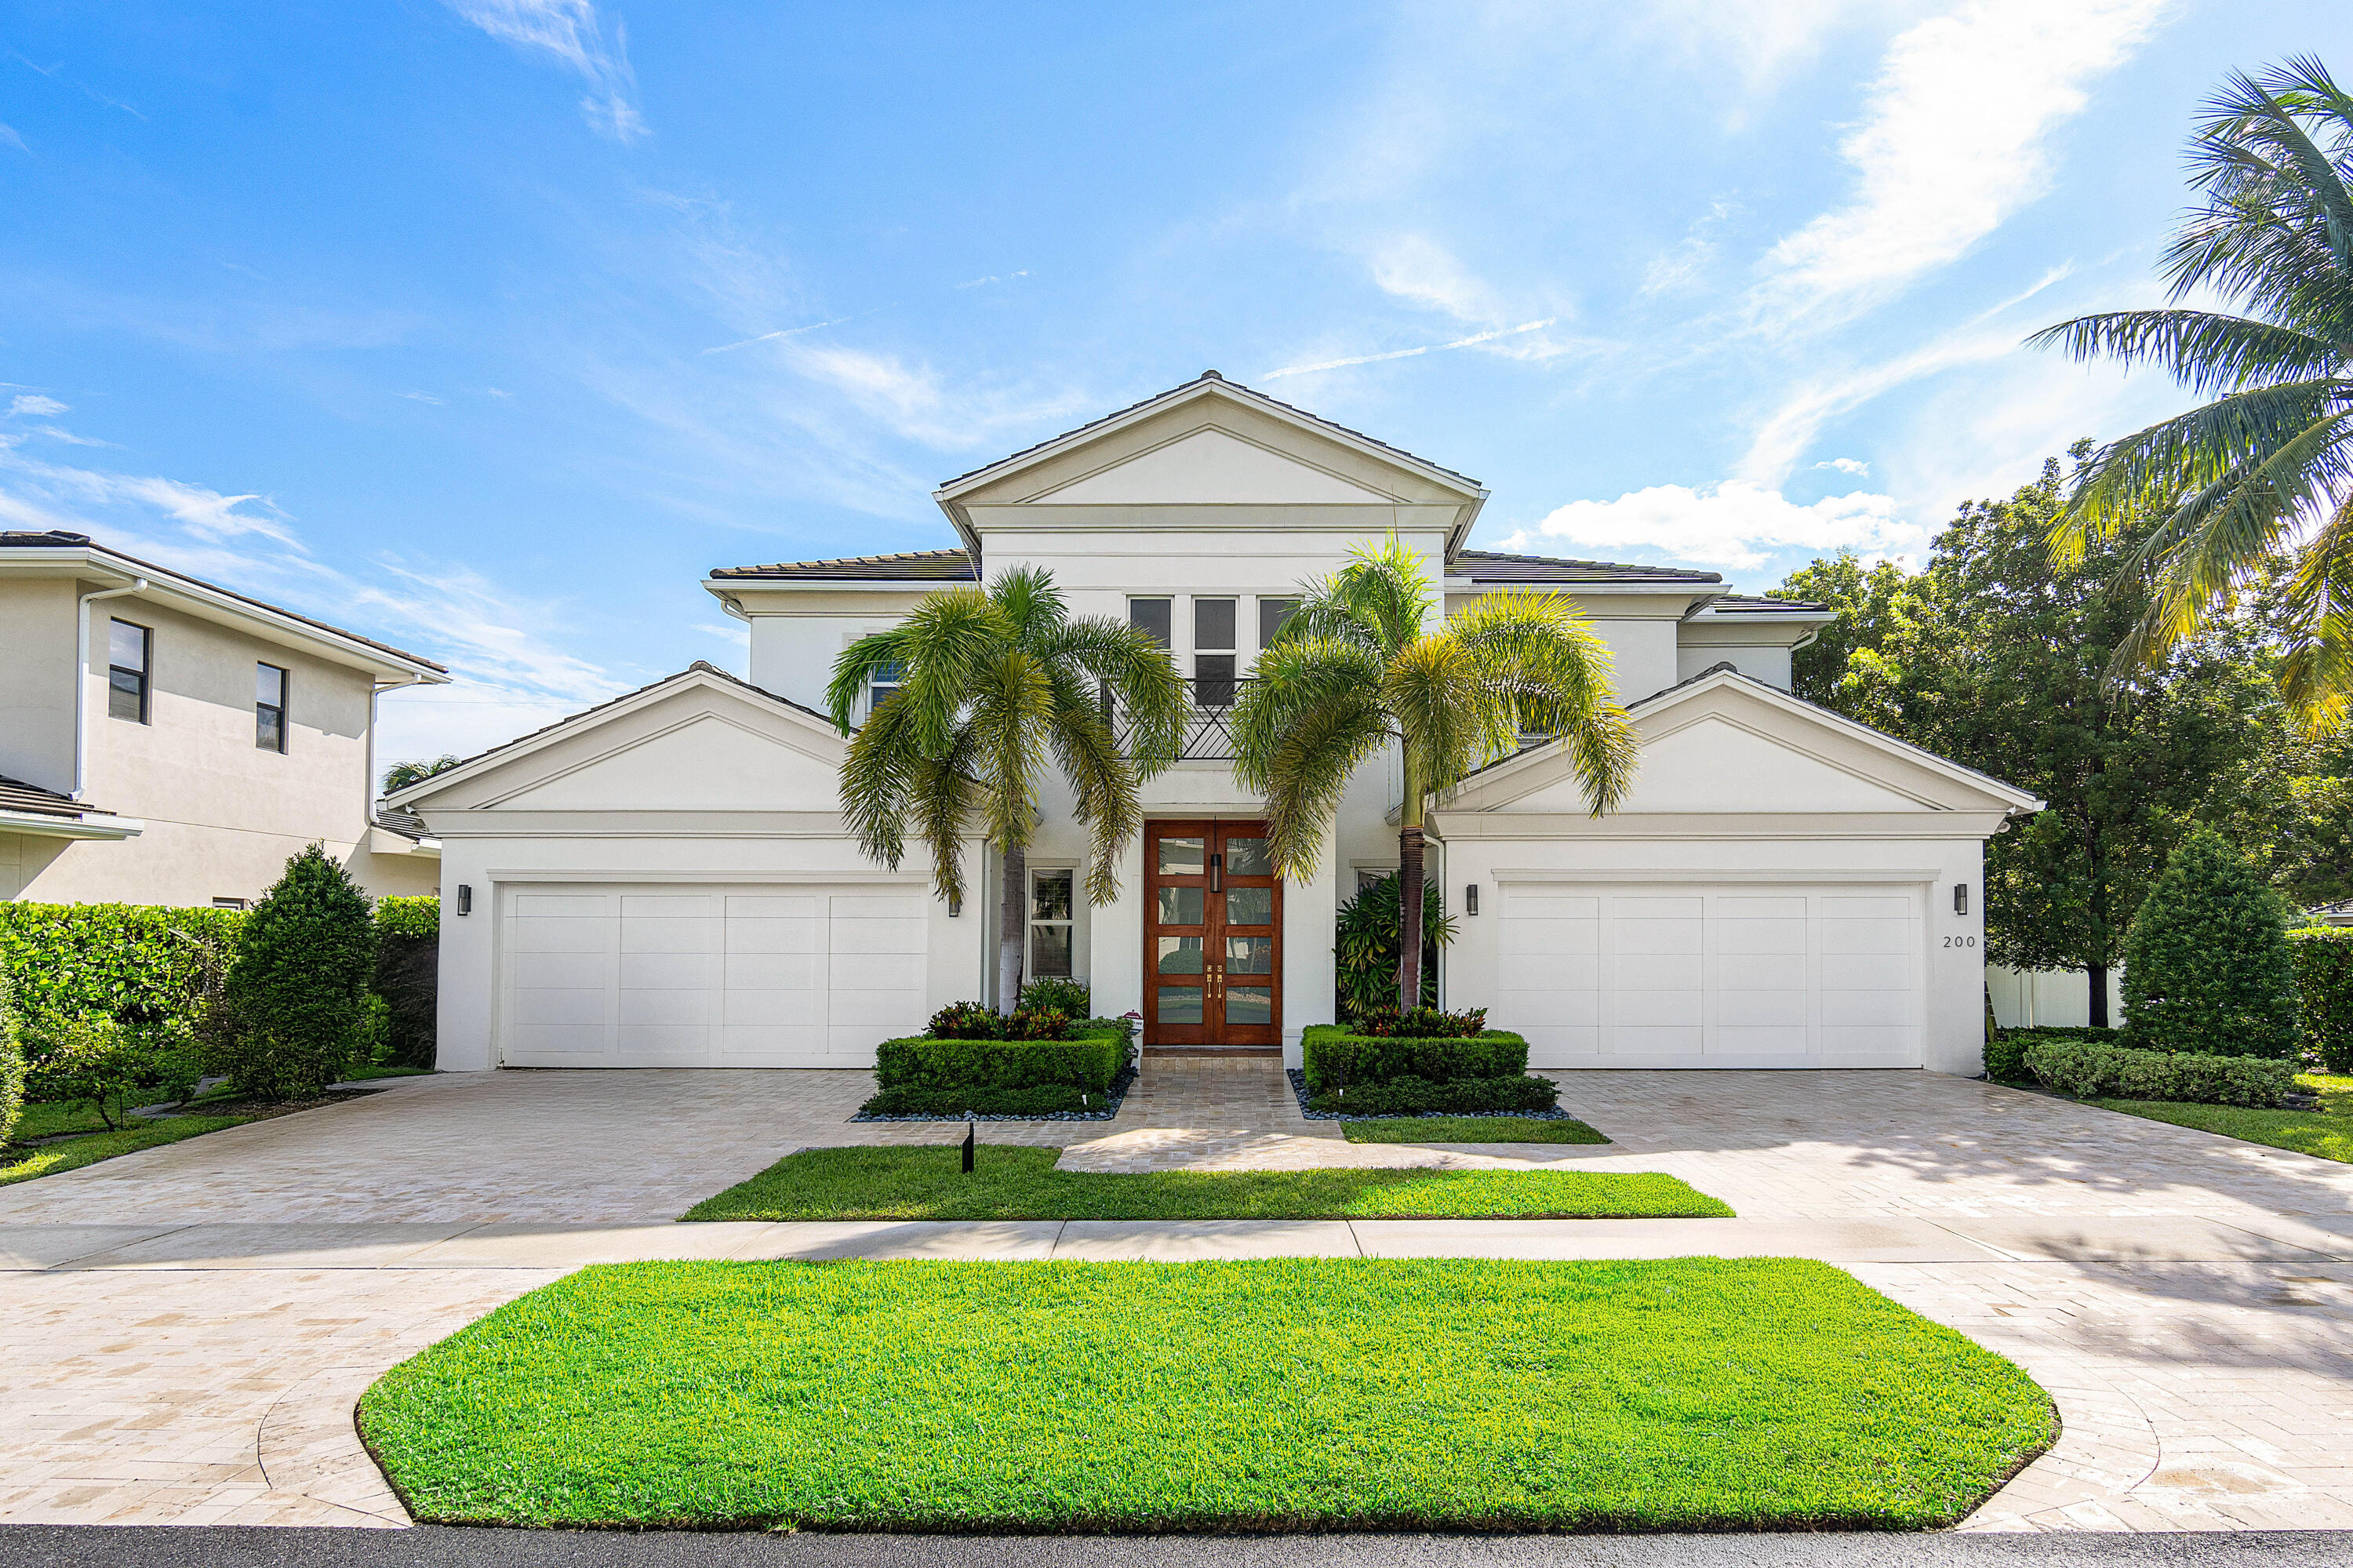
pixel 102 1546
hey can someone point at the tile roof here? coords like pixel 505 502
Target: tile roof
pixel 61 539
pixel 16 795
pixel 1223 381
pixel 407 825
pixel 1493 566
pixel 1749 603
pixel 914 566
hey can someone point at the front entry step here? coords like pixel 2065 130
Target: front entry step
pixel 1214 1053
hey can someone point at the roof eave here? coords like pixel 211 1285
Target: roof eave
pixel 44 825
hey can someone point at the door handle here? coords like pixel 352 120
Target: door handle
pixel 1216 874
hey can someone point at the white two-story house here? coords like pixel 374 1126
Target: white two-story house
pixel 165 740
pixel 666 879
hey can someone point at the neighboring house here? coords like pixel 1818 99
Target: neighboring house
pixel 167 741
pixel 667 881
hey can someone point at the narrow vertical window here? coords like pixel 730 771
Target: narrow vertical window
pixel 884 685
pixel 1213 652
pixel 1271 614
pixel 127 648
pixel 1151 617
pixel 1049 924
pixel 270 707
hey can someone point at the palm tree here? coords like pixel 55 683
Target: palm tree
pixel 2267 465
pixel 990 682
pixel 1357 669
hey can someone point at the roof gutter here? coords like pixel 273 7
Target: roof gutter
pixel 82 675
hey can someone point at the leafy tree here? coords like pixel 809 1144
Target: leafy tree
pixel 1841 668
pixel 991 682
pixel 401 775
pixel 2267 465
pixel 295 1000
pixel 2000 658
pixel 107 1064
pixel 1357 669
pixel 2208 966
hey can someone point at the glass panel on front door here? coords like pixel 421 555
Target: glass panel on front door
pixel 1213 936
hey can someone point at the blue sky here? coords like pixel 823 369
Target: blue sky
pixel 486 327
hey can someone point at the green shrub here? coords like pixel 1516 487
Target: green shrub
pixel 1333 1056
pixel 293 1004
pixel 2091 1071
pixel 1088 1064
pixel 2207 963
pixel 1420 1096
pixel 2061 1031
pixel 140 962
pixel 110 1066
pixel 1036 1099
pixel 408 917
pixel 2324 989
pixel 978 1021
pixel 1422 1023
pixel 1067 997
pixel 408 978
pixel 12 1063
pixel 2005 1060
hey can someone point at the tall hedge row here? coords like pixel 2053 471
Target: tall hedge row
pixel 2323 980
pixel 143 963
pixel 408 976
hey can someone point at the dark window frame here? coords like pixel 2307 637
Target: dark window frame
pixel 143 678
pixel 264 713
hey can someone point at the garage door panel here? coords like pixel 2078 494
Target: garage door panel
pixel 771 906
pixel 1649 934
pixel 1553 1007
pixel 796 972
pixel 875 1009
pixel 1872 1007
pixel 659 1045
pixel 1747 1040
pixel 876 906
pixel 539 1005
pixel 1641 1040
pixel 1658 971
pixel 1782 935
pixel 1548 937
pixel 773 1045
pixel 642 934
pixel 1737 1007
pixel 1551 971
pixel 1761 971
pixel 559 934
pixel 1849 938
pixel 560 971
pixel 1873 973
pixel 867 971
pixel 582 1040
pixel 766 1009
pixel 746 935
pixel 561 905
pixel 902 938
pixel 667 971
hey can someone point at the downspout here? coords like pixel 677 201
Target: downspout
pixel 368 796
pixel 81 676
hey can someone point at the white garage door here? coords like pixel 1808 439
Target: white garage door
pixel 664 976
pixel 1665 976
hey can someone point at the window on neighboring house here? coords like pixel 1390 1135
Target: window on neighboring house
pixel 228 903
pixel 1371 875
pixel 127 650
pixel 884 685
pixel 1049 923
pixel 1152 616
pixel 270 707
pixel 1271 614
pixel 1213 652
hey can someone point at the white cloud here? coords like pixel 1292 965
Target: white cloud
pixel 1950 144
pixel 1475 340
pixel 1683 267
pixel 1780 442
pixel 34 403
pixel 8 138
pixel 568 32
pixel 1855 466
pixel 1736 523
pixel 421 398
pixel 1417 269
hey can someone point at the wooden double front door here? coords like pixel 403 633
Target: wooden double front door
pixel 1212 936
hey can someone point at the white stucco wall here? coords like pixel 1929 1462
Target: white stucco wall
pixel 2023 999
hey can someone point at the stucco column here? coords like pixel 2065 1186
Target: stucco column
pixel 1115 955
pixel 1308 911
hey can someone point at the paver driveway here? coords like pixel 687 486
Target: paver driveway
pixel 191 1325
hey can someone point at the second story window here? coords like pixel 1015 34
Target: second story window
pixel 127 650
pixel 270 707
pixel 883 685
pixel 1271 614
pixel 1151 617
pixel 1213 652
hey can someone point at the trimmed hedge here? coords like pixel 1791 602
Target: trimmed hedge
pixel 408 977
pixel 406 916
pixel 2114 1072
pixel 2005 1053
pixel 1420 1096
pixel 145 963
pixel 1087 1064
pixel 1334 1056
pixel 12 1064
pixel 2323 983
pixel 1038 1099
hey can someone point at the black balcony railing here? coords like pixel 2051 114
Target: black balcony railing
pixel 1208 736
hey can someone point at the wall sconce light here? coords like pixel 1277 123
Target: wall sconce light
pixel 1469 898
pixel 464 899
pixel 956 908
pixel 1960 899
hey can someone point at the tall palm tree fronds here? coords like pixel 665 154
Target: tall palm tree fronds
pixel 1357 668
pixel 2267 465
pixel 993 684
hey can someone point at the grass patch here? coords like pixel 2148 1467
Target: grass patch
pixel 75 1153
pixel 1297 1394
pixel 1469 1129
pixel 1017 1182
pixel 362 1075
pixel 55 1118
pixel 2326 1132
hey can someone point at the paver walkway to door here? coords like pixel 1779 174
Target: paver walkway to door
pixel 189 1327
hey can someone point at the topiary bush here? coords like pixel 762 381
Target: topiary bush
pixel 1420 1096
pixel 2324 989
pixel 293 1004
pixel 407 977
pixel 2091 1071
pixel 1087 1064
pixel 2207 963
pixel 1333 1056
pixel 12 1063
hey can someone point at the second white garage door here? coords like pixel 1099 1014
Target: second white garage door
pixel 666 976
pixel 1667 976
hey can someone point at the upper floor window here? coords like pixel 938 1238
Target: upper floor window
pixel 884 683
pixel 270 707
pixel 1151 617
pixel 1271 614
pixel 1213 652
pixel 127 650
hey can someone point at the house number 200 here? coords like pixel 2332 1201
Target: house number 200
pixel 1960 941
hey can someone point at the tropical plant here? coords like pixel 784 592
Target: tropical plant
pixel 401 775
pixel 1365 946
pixel 2266 466
pixel 1357 668
pixel 294 1008
pixel 2208 966
pixel 991 682
pixel 1063 995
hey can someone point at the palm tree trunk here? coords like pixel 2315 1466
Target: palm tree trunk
pixel 1409 896
pixel 1008 930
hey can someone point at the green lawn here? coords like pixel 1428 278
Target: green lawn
pixel 1014 1183
pixel 22 1165
pixel 1468 1130
pixel 2326 1132
pixel 1437 1394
